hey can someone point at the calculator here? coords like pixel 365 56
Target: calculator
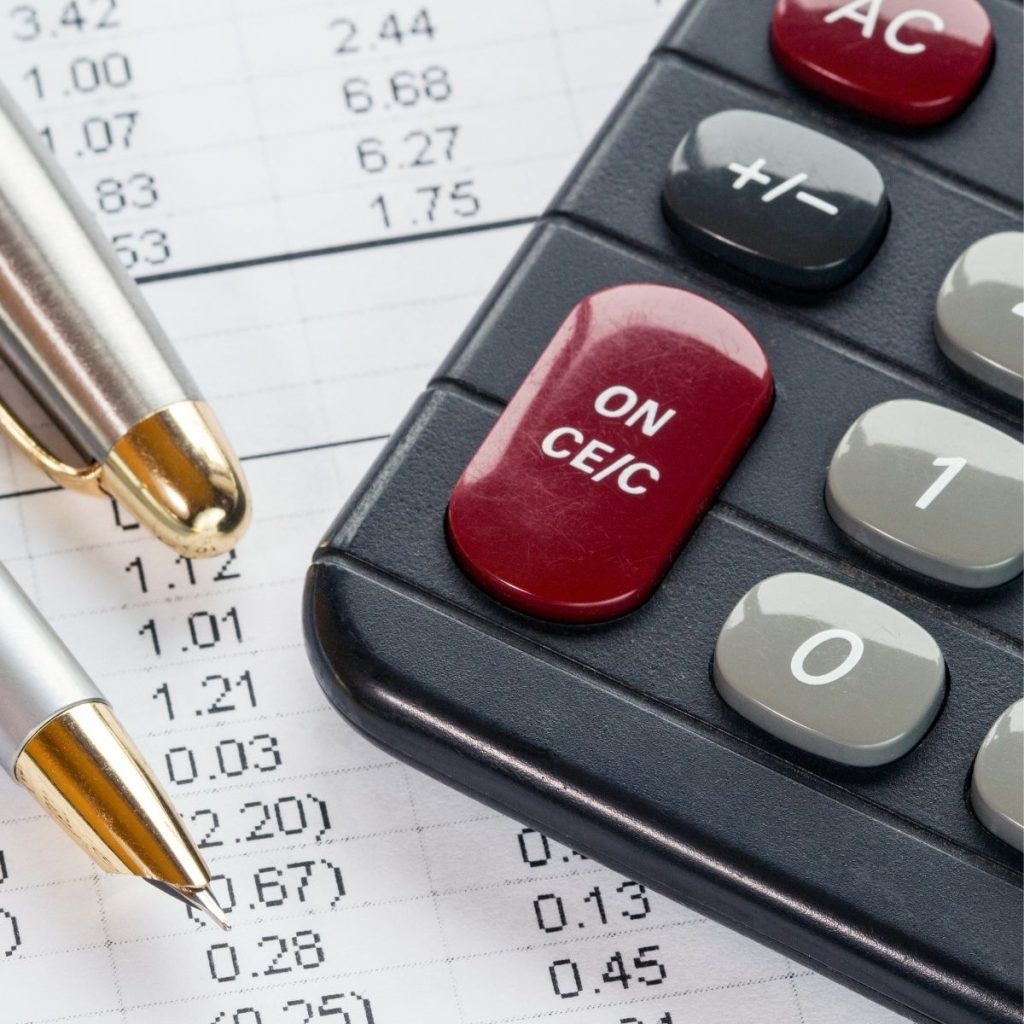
pixel 701 552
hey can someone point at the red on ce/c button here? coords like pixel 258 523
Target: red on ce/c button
pixel 914 62
pixel 609 453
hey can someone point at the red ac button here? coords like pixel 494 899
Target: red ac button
pixel 910 61
pixel 609 453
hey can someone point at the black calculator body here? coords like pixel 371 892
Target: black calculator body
pixel 612 736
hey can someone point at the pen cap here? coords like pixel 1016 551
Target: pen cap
pixel 39 677
pixel 176 473
pixel 79 334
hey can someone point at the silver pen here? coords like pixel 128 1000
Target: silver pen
pixel 76 330
pixel 59 738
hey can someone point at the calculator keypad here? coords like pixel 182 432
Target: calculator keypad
pixel 933 490
pixel 810 670
pixel 610 452
pixel 776 199
pixel 979 315
pixel 997 782
pixel 829 669
pixel 915 62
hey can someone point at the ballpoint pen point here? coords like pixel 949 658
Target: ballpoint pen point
pixel 200 899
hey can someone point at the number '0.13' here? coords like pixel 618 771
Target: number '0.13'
pixel 628 901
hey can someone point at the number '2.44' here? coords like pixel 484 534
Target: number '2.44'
pixel 394 30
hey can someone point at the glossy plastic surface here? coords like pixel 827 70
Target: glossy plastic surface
pixel 829 669
pixel 934 490
pixel 610 452
pixel 997 782
pixel 612 738
pixel 979 314
pixel 916 62
pixel 776 199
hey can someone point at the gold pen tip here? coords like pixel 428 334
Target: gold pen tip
pixel 177 473
pixel 199 899
pixel 85 771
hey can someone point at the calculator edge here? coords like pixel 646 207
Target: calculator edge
pixel 353 667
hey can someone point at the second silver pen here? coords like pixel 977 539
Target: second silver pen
pixel 60 739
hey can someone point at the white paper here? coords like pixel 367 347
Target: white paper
pixel 208 134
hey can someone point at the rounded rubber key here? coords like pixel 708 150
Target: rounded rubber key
pixel 997 782
pixel 776 199
pixel 609 453
pixel 829 669
pixel 933 490
pixel 979 315
pixel 913 62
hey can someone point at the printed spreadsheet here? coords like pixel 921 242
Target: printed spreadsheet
pixel 315 195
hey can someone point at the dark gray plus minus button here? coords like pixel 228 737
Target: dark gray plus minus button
pixel 776 199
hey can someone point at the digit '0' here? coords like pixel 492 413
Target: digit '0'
pixel 797 664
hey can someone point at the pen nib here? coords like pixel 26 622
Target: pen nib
pixel 200 899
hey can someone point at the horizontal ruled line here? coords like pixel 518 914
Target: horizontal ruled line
pixel 334 250
pixel 302 449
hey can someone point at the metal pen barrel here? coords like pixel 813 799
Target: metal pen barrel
pixel 81 335
pixel 60 739
pixel 39 676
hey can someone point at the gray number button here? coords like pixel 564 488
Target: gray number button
pixel 934 490
pixel 829 669
pixel 997 784
pixel 979 315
